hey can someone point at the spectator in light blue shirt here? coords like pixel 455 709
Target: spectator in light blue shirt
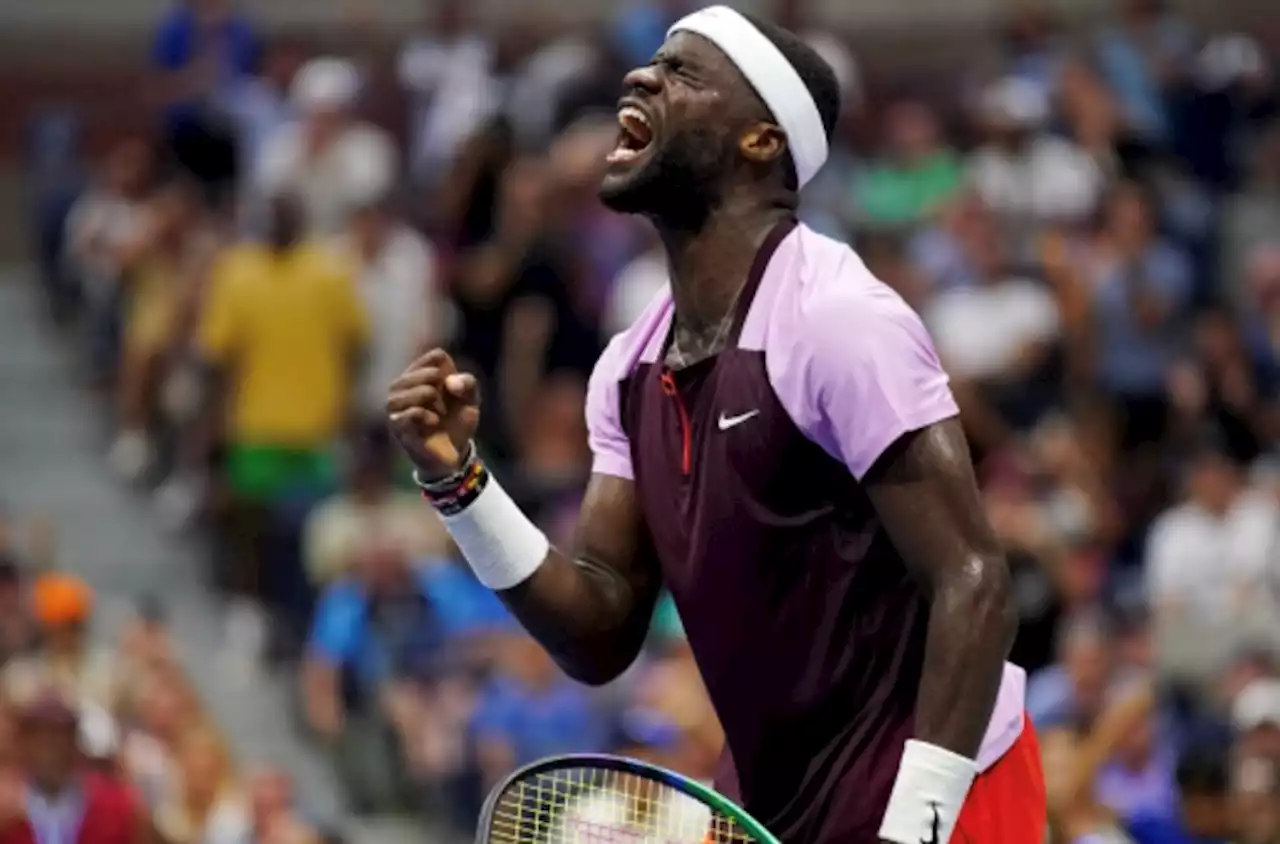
pixel 1140 58
pixel 1142 286
pixel 1072 690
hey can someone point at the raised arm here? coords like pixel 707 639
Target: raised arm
pixel 590 608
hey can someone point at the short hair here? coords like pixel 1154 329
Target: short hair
pixel 814 71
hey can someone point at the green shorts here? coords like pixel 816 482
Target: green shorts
pixel 267 472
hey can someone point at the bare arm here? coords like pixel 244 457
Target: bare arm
pixel 924 492
pixel 589 608
pixel 321 698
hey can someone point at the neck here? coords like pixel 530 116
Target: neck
pixel 50 790
pixel 709 265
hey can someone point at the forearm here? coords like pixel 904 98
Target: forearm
pixel 971 629
pixel 587 617
pixel 591 617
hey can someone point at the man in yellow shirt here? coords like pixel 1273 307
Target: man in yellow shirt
pixel 283 328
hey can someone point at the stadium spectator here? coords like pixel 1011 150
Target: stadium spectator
pixel 206 806
pixel 1141 286
pixel 165 267
pixel 375 630
pixel 61 794
pixel 998 333
pixel 1074 690
pixel 1204 803
pixel 327 158
pixel 518 319
pixel 1209 558
pixel 102 224
pixel 399 281
pixel 1030 177
pixel 448 73
pixel 259 105
pixel 68 660
pixel 916 173
pixel 159 711
pixel 202 50
pixel 1142 56
pixel 18 632
pixel 669 717
pixel 283 331
pixel 371 511
pixel 530 711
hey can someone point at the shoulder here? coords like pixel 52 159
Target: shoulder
pixel 342 598
pixel 232 266
pixel 838 305
pixel 1172 527
pixel 636 343
pixel 847 357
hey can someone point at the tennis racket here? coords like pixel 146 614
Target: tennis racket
pixel 600 799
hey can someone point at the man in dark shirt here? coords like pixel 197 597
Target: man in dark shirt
pixel 774 439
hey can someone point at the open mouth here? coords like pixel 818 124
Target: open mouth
pixel 634 135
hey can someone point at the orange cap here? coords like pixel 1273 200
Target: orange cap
pixel 61 599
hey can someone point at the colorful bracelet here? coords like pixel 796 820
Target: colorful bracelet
pixel 453 494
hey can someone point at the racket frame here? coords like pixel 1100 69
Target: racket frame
pixel 704 794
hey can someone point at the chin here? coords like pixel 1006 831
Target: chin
pixel 632 189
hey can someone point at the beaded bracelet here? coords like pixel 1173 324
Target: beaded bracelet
pixel 453 494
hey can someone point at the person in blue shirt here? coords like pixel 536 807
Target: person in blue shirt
pixel 393 646
pixel 1205 814
pixel 530 710
pixel 203 51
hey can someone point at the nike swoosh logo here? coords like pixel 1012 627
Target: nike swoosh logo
pixel 935 830
pixel 727 422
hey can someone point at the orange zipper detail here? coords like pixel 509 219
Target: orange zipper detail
pixel 686 435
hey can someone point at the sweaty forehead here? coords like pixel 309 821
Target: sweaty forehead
pixel 708 62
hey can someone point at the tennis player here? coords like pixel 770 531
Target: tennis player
pixel 775 440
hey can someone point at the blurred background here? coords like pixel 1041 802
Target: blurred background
pixel 226 225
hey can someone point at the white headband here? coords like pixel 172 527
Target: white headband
pixel 772 77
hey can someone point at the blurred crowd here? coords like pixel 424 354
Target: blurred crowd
pixel 1089 223
pixel 103 740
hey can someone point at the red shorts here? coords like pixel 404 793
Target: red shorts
pixel 1006 803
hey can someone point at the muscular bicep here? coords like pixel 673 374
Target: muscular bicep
pixel 924 491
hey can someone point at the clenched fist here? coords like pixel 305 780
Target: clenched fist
pixel 433 411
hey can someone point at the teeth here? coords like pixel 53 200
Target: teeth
pixel 632 113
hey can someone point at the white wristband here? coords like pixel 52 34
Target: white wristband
pixel 927 795
pixel 500 543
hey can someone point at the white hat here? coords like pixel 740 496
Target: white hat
pixel 1016 100
pixel 1256 705
pixel 325 83
pixel 1229 58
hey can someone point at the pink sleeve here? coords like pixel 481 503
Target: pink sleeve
pixel 862 373
pixel 610 448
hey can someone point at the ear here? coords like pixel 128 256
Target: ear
pixel 763 143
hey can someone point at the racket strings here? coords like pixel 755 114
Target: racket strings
pixel 601 806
